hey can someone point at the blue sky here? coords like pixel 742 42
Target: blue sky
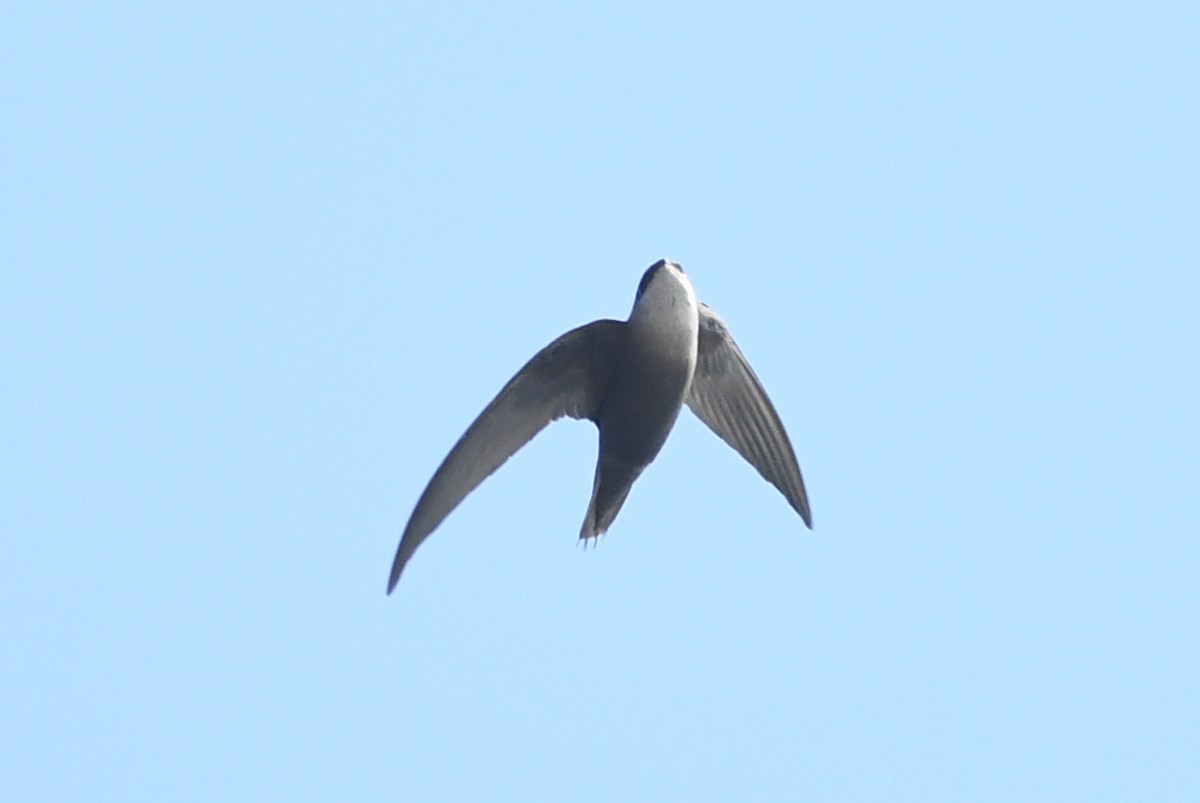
pixel 264 265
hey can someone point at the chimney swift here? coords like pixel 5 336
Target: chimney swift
pixel 630 378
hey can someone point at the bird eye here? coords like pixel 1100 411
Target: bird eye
pixel 647 276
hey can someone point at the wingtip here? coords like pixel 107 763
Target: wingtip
pixel 805 513
pixel 394 577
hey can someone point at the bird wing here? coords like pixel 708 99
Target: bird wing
pixel 727 396
pixel 567 377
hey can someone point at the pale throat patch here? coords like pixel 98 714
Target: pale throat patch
pixel 669 314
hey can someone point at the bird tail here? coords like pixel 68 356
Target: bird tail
pixel 613 481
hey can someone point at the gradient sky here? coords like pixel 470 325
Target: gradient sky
pixel 264 265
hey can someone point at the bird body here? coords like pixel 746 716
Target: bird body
pixel 631 379
pixel 645 392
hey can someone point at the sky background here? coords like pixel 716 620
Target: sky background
pixel 263 265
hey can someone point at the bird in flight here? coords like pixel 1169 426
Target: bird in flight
pixel 630 378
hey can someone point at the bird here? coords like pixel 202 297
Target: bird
pixel 631 379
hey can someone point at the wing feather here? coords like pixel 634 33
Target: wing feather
pixel 727 396
pixel 566 378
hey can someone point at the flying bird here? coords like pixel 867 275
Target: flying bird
pixel 630 378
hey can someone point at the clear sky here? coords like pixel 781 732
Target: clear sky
pixel 262 267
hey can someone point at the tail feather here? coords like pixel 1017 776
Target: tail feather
pixel 613 481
